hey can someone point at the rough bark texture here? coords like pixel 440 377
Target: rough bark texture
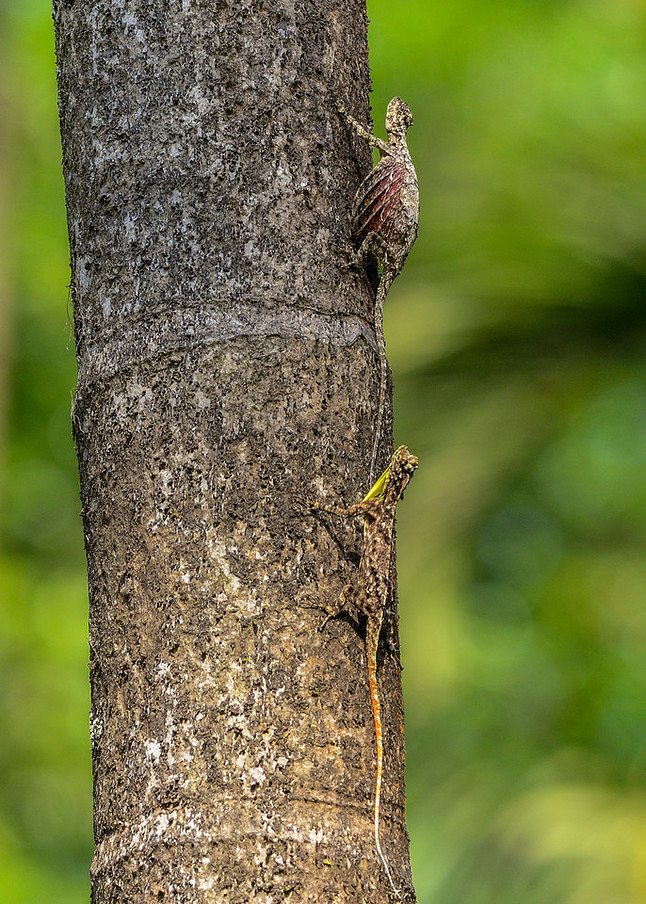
pixel 227 364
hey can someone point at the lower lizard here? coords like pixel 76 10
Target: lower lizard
pixel 374 583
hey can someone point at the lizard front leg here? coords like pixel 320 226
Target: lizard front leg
pixel 342 605
pixel 372 140
pixel 346 595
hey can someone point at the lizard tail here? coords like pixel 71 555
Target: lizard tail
pixel 376 712
pixel 382 291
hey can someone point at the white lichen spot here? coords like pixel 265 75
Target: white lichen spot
pixel 161 826
pixel 260 859
pixel 258 775
pixel 201 400
pixel 106 306
pixel 192 825
pixel 140 35
pixel 130 227
pixel 130 21
pixel 82 275
pixel 96 728
pixel 153 750
pixel 316 837
pixel 202 101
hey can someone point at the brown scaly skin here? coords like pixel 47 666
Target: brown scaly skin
pixel 385 223
pixel 370 592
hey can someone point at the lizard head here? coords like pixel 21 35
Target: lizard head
pixel 398 118
pixel 396 477
pixel 403 462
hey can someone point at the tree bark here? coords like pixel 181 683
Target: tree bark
pixel 227 368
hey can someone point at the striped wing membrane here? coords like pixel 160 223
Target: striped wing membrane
pixel 378 202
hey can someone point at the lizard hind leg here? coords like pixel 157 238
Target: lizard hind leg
pixel 353 258
pixel 341 605
pixel 372 246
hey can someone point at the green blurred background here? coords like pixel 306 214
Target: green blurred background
pixel 517 337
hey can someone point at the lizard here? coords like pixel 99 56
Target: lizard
pixel 385 222
pixel 371 590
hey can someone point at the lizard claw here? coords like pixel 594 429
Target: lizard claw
pixel 326 620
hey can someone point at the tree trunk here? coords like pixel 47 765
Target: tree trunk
pixel 227 368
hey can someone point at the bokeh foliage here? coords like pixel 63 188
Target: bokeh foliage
pixel 517 335
pixel 45 785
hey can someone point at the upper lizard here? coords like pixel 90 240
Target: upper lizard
pixel 385 223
